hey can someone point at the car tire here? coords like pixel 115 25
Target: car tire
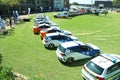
pixel 65 17
pixel 51 46
pixel 38 32
pixel 70 60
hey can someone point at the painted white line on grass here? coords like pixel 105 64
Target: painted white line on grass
pixel 107 36
pixel 104 37
pixel 88 33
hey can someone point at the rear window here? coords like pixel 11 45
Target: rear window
pixel 61 48
pixel 95 68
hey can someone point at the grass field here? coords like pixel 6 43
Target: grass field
pixel 25 53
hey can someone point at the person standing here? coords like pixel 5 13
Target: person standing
pixel 10 22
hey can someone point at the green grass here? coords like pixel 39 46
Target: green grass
pixel 24 51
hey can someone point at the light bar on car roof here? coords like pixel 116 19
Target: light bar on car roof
pixel 109 57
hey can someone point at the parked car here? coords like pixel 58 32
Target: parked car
pixel 37 29
pixel 40 19
pixel 103 67
pixel 69 52
pixel 52 40
pixel 63 14
pixel 53 30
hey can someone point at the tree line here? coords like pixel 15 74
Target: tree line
pixel 116 3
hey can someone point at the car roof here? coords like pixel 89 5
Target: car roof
pixel 50 29
pixel 54 34
pixel 105 60
pixel 44 24
pixel 72 44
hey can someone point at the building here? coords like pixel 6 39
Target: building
pixel 60 4
pixel 35 6
pixel 103 3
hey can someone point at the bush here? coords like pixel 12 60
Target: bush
pixel 6 73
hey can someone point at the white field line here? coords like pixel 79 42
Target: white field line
pixel 88 33
pixel 107 36
pixel 98 37
pixel 104 37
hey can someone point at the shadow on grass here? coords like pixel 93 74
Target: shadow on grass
pixel 10 32
pixel 76 63
pixel 51 49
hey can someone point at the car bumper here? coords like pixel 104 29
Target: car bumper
pixel 45 43
pixel 87 76
pixel 59 56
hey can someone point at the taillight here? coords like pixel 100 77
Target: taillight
pixel 62 54
pixel 84 68
pixel 100 78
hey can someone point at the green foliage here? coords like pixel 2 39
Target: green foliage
pixel 116 3
pixel 11 2
pixel 75 3
pixel 6 73
pixel 1 58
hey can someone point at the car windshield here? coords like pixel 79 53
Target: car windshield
pixel 95 68
pixel 61 48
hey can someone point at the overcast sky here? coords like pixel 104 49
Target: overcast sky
pixel 82 1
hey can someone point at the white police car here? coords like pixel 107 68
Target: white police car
pixel 52 40
pixel 63 14
pixel 68 52
pixel 103 67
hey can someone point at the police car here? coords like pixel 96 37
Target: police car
pixel 63 14
pixel 68 52
pixel 103 67
pixel 52 40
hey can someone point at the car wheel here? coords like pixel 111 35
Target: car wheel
pixel 38 32
pixel 51 46
pixel 65 17
pixel 70 60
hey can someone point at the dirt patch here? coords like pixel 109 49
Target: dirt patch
pixel 20 76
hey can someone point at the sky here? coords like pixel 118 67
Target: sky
pixel 82 1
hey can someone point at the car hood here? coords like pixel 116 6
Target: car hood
pixel 74 38
pixel 67 32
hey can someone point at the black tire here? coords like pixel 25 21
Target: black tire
pixel 51 46
pixel 70 60
pixel 65 17
pixel 38 32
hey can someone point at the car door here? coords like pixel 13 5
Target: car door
pixel 57 40
pixel 113 73
pixel 77 53
pixel 85 50
pixel 62 39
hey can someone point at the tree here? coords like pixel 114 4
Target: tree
pixel 11 2
pixel 74 3
pixel 116 3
